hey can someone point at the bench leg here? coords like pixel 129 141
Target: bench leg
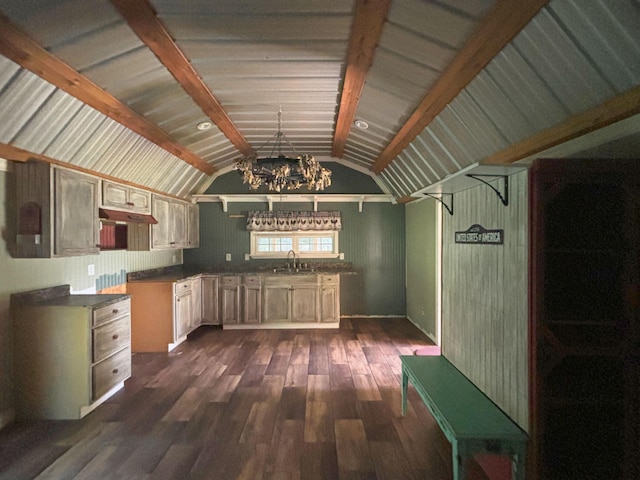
pixel 459 452
pixel 405 387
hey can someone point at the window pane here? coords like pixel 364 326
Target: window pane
pixel 275 244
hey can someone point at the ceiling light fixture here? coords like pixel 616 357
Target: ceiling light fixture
pixel 361 124
pixel 204 125
pixel 279 171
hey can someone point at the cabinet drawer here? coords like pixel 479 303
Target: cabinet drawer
pixel 110 372
pixel 182 286
pixel 110 338
pixel 110 312
pixel 252 280
pixel 330 279
pixel 230 280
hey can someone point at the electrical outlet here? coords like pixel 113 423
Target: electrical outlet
pixel 174 258
pixel 91 270
pixel 342 256
pixel 247 257
pixel 228 257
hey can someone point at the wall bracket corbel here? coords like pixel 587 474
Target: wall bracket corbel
pixel 440 198
pixel 503 196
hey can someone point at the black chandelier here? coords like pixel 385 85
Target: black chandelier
pixel 279 171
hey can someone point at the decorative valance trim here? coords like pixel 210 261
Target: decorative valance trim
pixel 289 221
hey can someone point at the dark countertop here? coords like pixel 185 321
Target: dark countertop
pixel 178 272
pixel 61 296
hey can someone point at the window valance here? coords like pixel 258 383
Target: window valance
pixel 287 221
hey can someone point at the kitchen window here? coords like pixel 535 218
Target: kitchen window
pixel 317 244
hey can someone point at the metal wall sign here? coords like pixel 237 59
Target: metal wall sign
pixel 479 235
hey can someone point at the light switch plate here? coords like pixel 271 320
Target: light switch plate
pixel 228 257
pixel 91 269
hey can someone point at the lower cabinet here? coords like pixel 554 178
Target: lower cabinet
pixel 183 310
pixel 329 298
pixel 300 298
pixel 210 300
pixel 73 353
pixel 229 299
pixel 162 313
pixel 251 298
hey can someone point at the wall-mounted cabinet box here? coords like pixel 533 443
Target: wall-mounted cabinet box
pixel 177 227
pixel 126 198
pixel 57 211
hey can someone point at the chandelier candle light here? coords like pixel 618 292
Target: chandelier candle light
pixel 282 172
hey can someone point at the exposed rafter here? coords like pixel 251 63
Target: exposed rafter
pixel 20 48
pixel 366 29
pixel 144 21
pixel 15 154
pixel 500 26
pixel 613 110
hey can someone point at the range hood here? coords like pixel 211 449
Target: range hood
pixel 128 217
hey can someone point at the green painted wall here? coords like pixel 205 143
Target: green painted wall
pixel 19 275
pixel 422 244
pixel 373 241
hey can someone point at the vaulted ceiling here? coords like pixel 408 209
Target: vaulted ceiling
pixel 118 87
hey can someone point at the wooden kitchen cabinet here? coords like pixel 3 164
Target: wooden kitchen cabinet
pixel 230 299
pixel 210 300
pixel 73 352
pixel 329 298
pixel 57 211
pixel 161 314
pixel 126 198
pixel 293 299
pixel 193 225
pixel 183 307
pixel 251 299
pixel 171 229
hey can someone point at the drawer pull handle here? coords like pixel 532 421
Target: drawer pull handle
pixel 114 311
pixel 115 337
pixel 115 370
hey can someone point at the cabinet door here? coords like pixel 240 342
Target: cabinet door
pixel 76 229
pixel 329 306
pixel 193 226
pixel 276 303
pixel 196 302
pixel 210 301
pixel 114 195
pixel 160 231
pixel 182 316
pixel 230 304
pixel 304 303
pixel 139 201
pixel 178 222
pixel 252 304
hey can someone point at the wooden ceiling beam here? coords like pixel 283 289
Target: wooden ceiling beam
pixel 366 30
pixel 16 154
pixel 612 111
pixel 499 27
pixel 20 48
pixel 144 21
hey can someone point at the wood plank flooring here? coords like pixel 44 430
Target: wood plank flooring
pixel 255 405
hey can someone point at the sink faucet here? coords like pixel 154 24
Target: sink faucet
pixel 294 258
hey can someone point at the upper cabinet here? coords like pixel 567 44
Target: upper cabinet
pixel 124 197
pixel 57 211
pixel 177 225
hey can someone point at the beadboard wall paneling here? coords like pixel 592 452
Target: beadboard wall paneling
pixel 422 242
pixel 373 240
pixel 484 299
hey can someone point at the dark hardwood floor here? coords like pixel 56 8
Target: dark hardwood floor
pixel 253 404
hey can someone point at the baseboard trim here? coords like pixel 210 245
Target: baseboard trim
pixel 430 335
pixel 7 416
pixel 373 316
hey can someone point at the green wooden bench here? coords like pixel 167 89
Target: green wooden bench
pixel 469 420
